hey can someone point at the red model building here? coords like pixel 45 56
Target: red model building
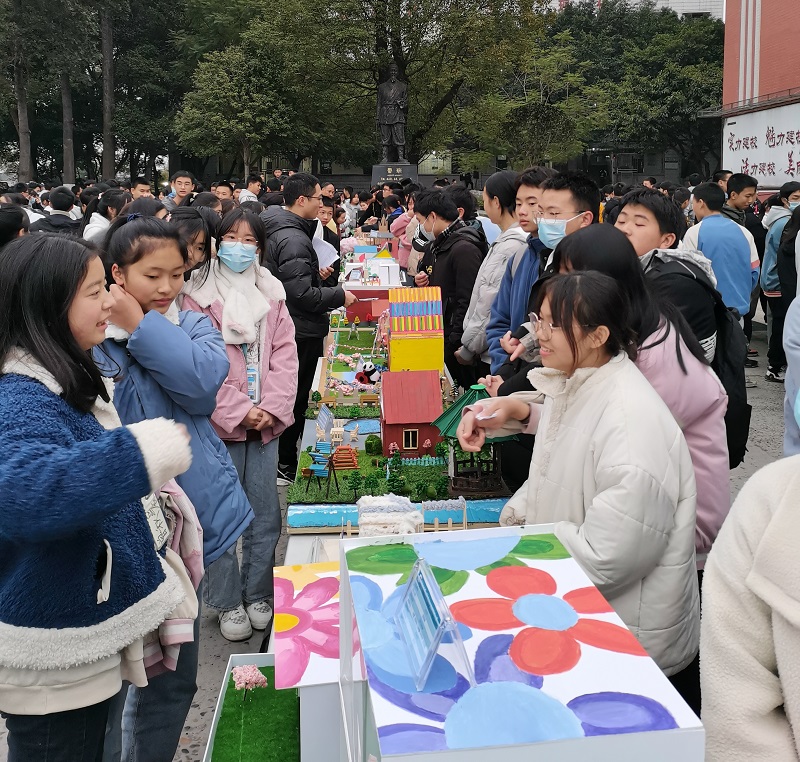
pixel 410 401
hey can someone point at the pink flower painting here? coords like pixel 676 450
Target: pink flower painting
pixel 306 632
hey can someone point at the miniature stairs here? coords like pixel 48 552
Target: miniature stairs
pixel 345 458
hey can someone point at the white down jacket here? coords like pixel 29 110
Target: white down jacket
pixel 487 284
pixel 611 469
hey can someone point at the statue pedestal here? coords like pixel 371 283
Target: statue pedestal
pixel 393 172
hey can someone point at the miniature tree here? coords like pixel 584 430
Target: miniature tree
pixel 334 320
pixel 354 481
pixel 356 321
pixel 396 483
pixel 372 484
pixel 373 445
pixel 344 320
pixel 316 398
pixel 441 449
pixel 396 461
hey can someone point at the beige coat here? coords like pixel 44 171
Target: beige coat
pixel 611 469
pixel 750 645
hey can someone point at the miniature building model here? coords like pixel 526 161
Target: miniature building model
pixel 409 402
pixel 416 332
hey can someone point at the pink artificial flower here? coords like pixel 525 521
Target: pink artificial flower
pixel 248 677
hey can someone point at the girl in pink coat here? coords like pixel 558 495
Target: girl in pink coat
pixel 254 405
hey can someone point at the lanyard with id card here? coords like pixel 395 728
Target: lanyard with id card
pixel 253 379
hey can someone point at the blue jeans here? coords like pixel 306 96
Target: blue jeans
pixel 145 724
pixel 227 586
pixel 73 736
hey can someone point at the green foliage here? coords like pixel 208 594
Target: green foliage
pixel 351 412
pixel 372 485
pixel 373 445
pixel 353 481
pixel 441 449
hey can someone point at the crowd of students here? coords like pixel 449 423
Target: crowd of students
pixel 157 359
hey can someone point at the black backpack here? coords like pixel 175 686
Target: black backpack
pixel 728 364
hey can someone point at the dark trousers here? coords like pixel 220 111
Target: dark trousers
pixel 687 681
pixel 74 736
pixel 308 352
pixel 776 357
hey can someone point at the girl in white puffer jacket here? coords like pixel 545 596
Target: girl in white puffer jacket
pixel 610 466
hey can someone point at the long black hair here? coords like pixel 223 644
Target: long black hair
pixel 145 206
pixel 607 250
pixel 590 299
pixel 503 186
pixel 111 199
pixel 39 278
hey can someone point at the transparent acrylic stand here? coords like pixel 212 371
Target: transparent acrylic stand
pixel 423 619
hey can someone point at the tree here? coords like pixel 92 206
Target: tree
pixel 107 54
pixel 354 481
pixel 372 485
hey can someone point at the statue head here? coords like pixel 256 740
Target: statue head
pixel 393 72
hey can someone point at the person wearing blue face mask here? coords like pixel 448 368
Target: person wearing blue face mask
pixel 780 208
pixel 247 304
pixel 568 202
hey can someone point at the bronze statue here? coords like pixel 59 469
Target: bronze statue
pixel 391 117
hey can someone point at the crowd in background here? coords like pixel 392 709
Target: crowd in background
pixel 157 358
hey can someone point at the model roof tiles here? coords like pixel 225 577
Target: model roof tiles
pixel 413 396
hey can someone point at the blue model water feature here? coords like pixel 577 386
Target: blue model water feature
pixel 328 516
pixel 365 425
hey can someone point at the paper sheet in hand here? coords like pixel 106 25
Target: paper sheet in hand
pixel 326 253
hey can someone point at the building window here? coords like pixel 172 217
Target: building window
pixel 411 439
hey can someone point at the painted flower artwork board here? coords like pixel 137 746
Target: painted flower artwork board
pixel 556 671
pixel 306 625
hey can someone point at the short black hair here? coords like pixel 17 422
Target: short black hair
pixel 435 200
pixel 254 178
pixel 181 173
pixel 62 199
pixel 15 198
pixel 299 184
pixel 694 178
pixel 619 189
pixel 13 219
pixel 327 202
pixel 21 188
pixel 533 177
pixel 139 181
pixel 711 194
pixel 607 189
pixel 583 189
pixel 738 182
pixel 681 195
pixel 668 215
pixel 442 182
pixel 720 174
pixel 463 200
pixel 274 184
pixel 788 188
pixel 391 202
pixel 650 179
pixel 225 184
pixel 326 183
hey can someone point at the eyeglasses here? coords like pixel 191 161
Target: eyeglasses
pixel 311 198
pixel 542 329
pixel 233 238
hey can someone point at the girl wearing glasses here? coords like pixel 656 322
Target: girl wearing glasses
pixel 610 468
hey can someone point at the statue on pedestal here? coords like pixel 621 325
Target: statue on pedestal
pixel 391 116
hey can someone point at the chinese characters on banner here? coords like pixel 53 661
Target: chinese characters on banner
pixel 764 144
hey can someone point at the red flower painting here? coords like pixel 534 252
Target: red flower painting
pixel 553 627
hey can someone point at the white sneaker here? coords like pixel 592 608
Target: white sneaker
pixel 235 624
pixel 260 615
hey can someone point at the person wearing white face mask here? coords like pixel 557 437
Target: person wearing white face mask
pixel 569 201
pixel 247 304
pixel 781 207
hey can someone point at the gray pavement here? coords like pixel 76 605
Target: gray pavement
pixel 766 438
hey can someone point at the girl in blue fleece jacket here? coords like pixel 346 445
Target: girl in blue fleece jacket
pixel 80 580
pixel 168 364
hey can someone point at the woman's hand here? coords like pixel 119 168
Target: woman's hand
pixel 253 418
pixel 509 343
pixel 266 420
pixel 492 384
pixel 492 415
pixel 126 312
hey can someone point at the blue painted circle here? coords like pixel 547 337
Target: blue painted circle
pixel 545 611
pixel 365 426
pixel 468 555
pixel 495 714
pixel 610 713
